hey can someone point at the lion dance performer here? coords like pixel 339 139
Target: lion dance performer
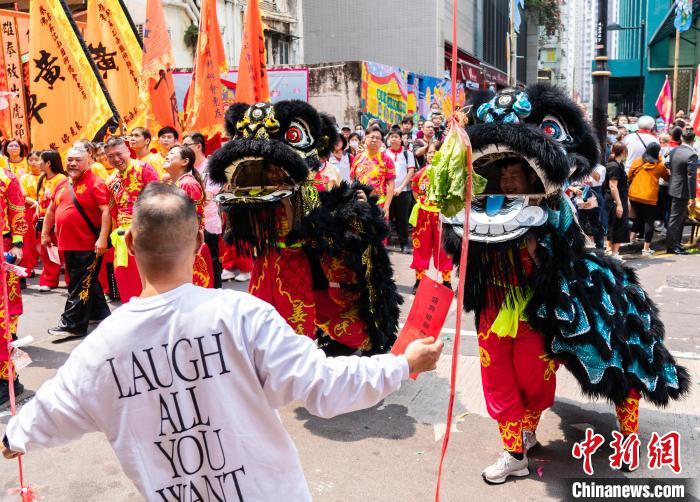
pixel 539 298
pixel 14 229
pixel 319 257
pixel 425 219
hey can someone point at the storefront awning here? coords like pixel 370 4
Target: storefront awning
pixel 666 28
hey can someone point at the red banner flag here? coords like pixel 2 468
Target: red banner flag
pixel 157 88
pixel 695 103
pixel 204 101
pixel 664 103
pixel 252 85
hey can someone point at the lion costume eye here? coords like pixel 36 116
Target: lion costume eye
pixel 298 135
pixel 555 129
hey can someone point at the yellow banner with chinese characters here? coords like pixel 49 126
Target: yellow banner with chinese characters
pixel 67 98
pixel 114 46
pixel 13 104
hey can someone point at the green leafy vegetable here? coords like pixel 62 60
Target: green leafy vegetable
pixel 448 174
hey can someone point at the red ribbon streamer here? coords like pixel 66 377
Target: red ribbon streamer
pixel 25 492
pixel 462 260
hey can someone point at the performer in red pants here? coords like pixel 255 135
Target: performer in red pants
pixel 518 379
pixel 425 219
pixel 14 227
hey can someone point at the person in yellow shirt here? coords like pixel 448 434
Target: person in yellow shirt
pixel 96 167
pixel 167 138
pixel 29 183
pixel 30 180
pixel 16 153
pixel 102 158
pixel 140 143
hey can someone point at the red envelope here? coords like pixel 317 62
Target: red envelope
pixel 427 315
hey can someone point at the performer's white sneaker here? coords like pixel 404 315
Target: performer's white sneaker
pixel 506 465
pixel 227 275
pixel 529 439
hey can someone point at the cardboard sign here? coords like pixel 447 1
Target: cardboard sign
pixel 427 315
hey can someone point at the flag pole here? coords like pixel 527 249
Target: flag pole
pixel 675 73
pixel 512 56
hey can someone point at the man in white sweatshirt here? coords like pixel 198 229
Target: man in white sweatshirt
pixel 185 381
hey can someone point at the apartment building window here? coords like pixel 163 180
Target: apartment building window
pixel 277 46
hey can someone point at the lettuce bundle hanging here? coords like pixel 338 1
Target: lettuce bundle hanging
pixel 448 173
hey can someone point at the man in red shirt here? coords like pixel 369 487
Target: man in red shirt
pixel 124 186
pixel 374 167
pixel 80 211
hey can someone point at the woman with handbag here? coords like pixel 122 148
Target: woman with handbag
pixel 643 176
pixel 616 188
pixel 52 167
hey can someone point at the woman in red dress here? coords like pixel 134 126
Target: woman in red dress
pixel 179 164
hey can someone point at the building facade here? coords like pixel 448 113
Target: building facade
pixel 642 51
pixel 282 18
pixel 416 36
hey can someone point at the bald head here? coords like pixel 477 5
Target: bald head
pixel 164 229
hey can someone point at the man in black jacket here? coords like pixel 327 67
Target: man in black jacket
pixel 683 165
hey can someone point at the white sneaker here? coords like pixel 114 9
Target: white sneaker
pixel 647 253
pixel 227 275
pixel 506 465
pixel 242 277
pixel 529 440
pixel 44 289
pixel 617 257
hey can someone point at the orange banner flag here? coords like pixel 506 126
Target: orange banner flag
pixel 204 107
pixel 157 88
pixel 116 50
pixel 252 86
pixel 67 97
pixel 15 116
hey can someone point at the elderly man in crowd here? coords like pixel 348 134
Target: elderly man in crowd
pixel 124 186
pixel 79 210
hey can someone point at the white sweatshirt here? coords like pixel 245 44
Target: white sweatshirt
pixel 185 386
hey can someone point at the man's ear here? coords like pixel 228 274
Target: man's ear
pixel 129 238
pixel 200 240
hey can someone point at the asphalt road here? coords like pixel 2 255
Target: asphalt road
pixel 391 452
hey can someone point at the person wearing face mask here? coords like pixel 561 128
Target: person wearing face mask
pixel 354 146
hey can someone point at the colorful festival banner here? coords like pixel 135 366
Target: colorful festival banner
pixel 157 89
pixel 67 99
pixel 203 108
pixel 115 48
pixel 384 92
pixel 390 93
pixel 15 116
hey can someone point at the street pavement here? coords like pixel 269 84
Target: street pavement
pixel 391 451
